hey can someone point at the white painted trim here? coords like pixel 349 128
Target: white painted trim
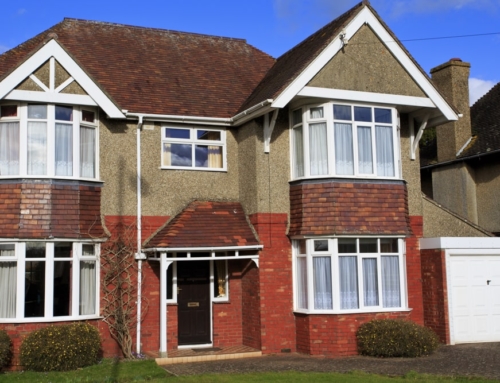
pixel 268 129
pixel 463 147
pixel 53 49
pixel 365 16
pixel 181 119
pixel 203 249
pixel 468 244
pixel 50 98
pixel 64 85
pixel 415 140
pixel 370 97
pixel 39 83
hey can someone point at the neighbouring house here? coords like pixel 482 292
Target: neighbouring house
pixel 276 203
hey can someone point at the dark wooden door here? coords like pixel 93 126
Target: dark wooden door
pixel 193 299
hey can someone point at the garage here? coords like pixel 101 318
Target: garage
pixel 461 288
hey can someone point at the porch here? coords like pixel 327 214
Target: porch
pixel 205 354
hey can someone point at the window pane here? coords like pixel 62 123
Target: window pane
pixel 220 279
pixel 316 112
pixel 37 148
pixel 37 111
pixel 88 116
pixel 318 149
pixel 8 286
pixel 385 151
pixel 342 112
pixel 302 300
pixel 208 135
pixel 344 157
pixel 322 283
pixel 298 152
pixel 63 250
pixel 321 245
pixel 348 275
pixel 63 113
pixel 9 148
pixel 383 115
pixel 88 250
pixel 388 245
pixel 87 152
pixel 8 250
pixel 170 280
pixel 35 250
pixel 368 245
pixel 8 111
pixel 177 133
pixel 365 156
pixel 34 288
pixel 177 155
pixel 370 282
pixel 297 116
pixel 362 113
pixel 64 150
pixel 208 156
pixel 87 287
pixel 62 288
pixel 302 246
pixel 391 293
pixel 347 245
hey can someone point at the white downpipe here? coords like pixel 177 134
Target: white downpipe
pixel 139 237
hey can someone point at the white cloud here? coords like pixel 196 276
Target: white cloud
pixel 478 88
pixel 400 7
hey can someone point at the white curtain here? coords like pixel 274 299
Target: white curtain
pixel 322 283
pixel 9 148
pixel 370 282
pixel 8 286
pixel 298 152
pixel 344 158
pixel 385 151
pixel 302 300
pixel 64 150
pixel 348 283
pixel 37 148
pixel 318 149
pixel 365 156
pixel 87 152
pixel 391 294
pixel 87 288
pixel 317 112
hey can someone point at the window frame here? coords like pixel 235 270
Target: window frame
pixel 193 141
pixel 76 123
pixel 328 118
pixel 49 259
pixel 334 255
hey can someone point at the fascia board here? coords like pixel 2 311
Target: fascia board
pixel 365 16
pixel 53 49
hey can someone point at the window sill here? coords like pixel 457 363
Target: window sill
pixel 50 320
pixel 223 170
pixel 348 312
pixel 346 178
pixel 56 178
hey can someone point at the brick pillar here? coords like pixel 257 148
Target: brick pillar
pixel 414 270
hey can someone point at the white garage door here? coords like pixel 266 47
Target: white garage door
pixel 474 289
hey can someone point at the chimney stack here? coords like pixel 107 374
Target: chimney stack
pixel 452 79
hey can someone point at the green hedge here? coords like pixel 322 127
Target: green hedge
pixel 61 348
pixel 395 338
pixel 5 349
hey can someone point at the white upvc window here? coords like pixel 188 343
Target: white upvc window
pixel 48 281
pixel 48 141
pixel 343 140
pixel 190 148
pixel 348 275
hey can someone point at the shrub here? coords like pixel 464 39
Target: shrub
pixel 5 349
pixel 61 348
pixel 395 338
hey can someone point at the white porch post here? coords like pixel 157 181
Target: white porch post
pixel 164 264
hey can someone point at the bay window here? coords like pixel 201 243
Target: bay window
pixel 339 275
pixel 335 139
pixel 45 140
pixel 48 281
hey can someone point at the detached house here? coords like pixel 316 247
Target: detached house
pixel 276 202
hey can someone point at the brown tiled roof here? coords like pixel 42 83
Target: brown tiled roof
pixel 206 224
pixel 485 120
pixel 156 71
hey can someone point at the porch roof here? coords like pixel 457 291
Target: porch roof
pixel 206 224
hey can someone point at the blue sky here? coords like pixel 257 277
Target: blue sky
pixel 275 26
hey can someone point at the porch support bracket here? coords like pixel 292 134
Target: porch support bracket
pixel 268 129
pixel 415 139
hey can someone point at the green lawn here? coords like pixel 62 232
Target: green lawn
pixel 137 371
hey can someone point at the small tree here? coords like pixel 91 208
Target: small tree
pixel 119 276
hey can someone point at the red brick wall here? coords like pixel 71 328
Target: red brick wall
pixel 250 285
pixel 414 270
pixel 275 269
pixel 336 207
pixel 435 293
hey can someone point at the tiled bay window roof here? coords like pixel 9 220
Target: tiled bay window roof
pixel 146 70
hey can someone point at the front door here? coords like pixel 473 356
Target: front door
pixel 193 299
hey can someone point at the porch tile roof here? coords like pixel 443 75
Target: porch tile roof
pixel 157 71
pixel 206 224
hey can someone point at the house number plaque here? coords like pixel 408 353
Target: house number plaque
pixel 193 304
